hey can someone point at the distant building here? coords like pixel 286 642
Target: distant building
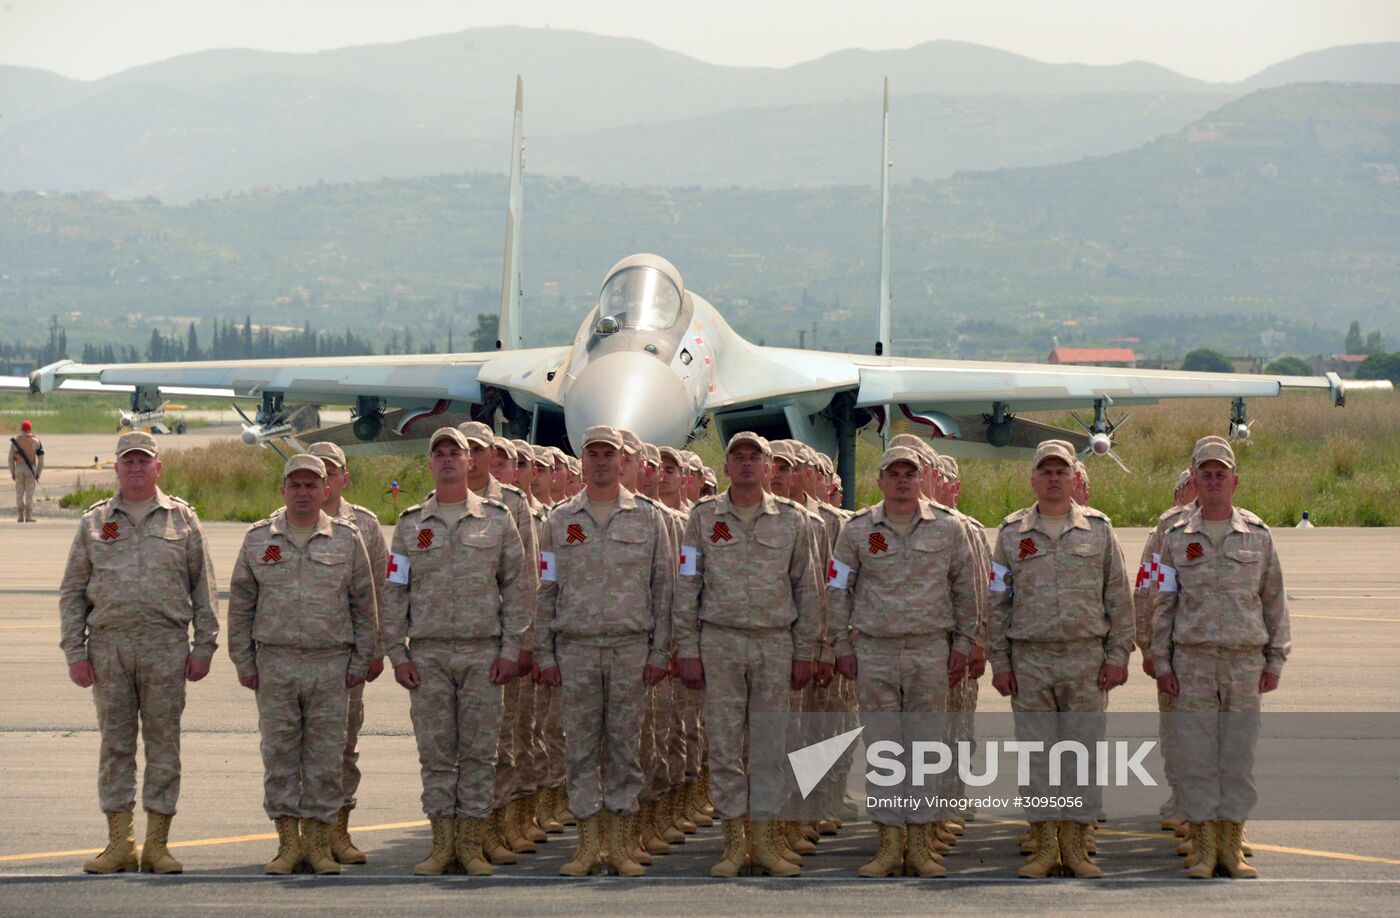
pixel 1344 365
pixel 1093 357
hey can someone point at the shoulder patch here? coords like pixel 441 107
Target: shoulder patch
pixel 1015 516
pixel 510 489
pixel 1251 518
pixel 861 512
pixel 261 524
pixel 1095 514
pixel 100 503
pixel 496 504
pixel 1179 523
pixel 414 509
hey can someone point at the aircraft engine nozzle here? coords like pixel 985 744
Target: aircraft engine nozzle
pixel 631 390
pixel 1101 443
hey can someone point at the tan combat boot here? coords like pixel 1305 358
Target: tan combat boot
pixel 796 841
pixel 493 842
pixel 1026 842
pixel 342 848
pixel 919 859
pixel 632 831
pixel 564 814
pixel 120 854
pixel 1073 852
pixel 706 802
pixel 550 802
pixel 1245 849
pixel 528 826
pixel 512 828
pixel 1229 855
pixel 956 825
pixel 1189 844
pixel 944 834
pixel 695 805
pixel 665 819
pixel 317 838
pixel 765 851
pixel 780 844
pixel 736 854
pixel 652 842
pixel 442 854
pixel 289 851
pixel 468 848
pixel 155 856
pixel 619 852
pixel 828 827
pixel 889 860
pixel 1205 855
pixel 588 856
pixel 1047 853
pixel 679 818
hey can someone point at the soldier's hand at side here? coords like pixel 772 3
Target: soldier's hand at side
pixel 692 673
pixel 1169 684
pixel 801 673
pixel 1149 666
pixel 352 680
pixel 957 667
pixel 1268 682
pixel 977 663
pixel 1110 676
pixel 406 674
pixel 249 682
pixel 376 669
pixel 525 664
pixel 1005 683
pixel 195 668
pixel 846 666
pixel 82 673
pixel 823 673
pixel 502 671
pixel 653 675
pixel 552 676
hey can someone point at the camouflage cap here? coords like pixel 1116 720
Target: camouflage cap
pixel 602 433
pixel 948 467
pixel 827 466
pixel 1212 449
pixel 573 464
pixel 1182 481
pixel 751 438
pixel 1081 470
pixel 899 454
pixel 504 445
pixel 693 463
pixel 710 477
pixel 328 452
pixel 449 433
pixel 782 449
pixel 478 433
pixel 631 443
pixel 927 454
pixel 1054 449
pixel 304 462
pixel 523 450
pixel 651 454
pixel 557 455
pixel 673 454
pixel 137 439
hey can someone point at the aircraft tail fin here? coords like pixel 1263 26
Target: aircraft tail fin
pixel 510 332
pixel 882 341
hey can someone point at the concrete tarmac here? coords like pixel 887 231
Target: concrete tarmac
pixel 1344 591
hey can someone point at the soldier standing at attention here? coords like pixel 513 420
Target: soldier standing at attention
pixel 1220 637
pixel 1060 630
pixel 607 575
pixel 457 606
pixel 338 479
pixel 301 633
pixel 138 575
pixel 902 590
pixel 749 619
pixel 26 465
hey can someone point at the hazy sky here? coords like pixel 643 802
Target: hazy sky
pixel 1223 40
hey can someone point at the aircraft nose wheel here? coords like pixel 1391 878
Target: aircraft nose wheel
pixel 368 426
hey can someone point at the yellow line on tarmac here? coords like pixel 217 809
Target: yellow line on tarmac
pixel 1277 849
pixel 1350 618
pixel 200 842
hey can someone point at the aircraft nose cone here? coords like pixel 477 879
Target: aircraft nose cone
pixel 626 389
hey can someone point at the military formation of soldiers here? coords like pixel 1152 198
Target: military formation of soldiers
pixel 588 642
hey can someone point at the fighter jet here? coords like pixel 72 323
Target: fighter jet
pixel 656 357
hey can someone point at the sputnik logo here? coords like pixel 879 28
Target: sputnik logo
pixel 811 763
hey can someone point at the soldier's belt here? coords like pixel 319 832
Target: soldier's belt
pixel 1057 646
pixel 773 631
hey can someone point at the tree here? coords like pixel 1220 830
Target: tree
pixel 488 326
pixel 1354 343
pixel 1380 366
pixel 1375 344
pixel 192 344
pixel 1288 366
pixel 1205 360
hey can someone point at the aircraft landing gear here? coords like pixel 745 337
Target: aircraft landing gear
pixel 369 418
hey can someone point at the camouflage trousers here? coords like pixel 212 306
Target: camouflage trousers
pixel 456 715
pixel 746 671
pixel 527 743
pixel 140 679
pixel 24 493
pixel 350 760
pixel 960 728
pixel 554 773
pixel 1166 709
pixel 692 715
pixel 902 685
pixel 664 757
pixel 303 708
pixel 507 773
pixel 603 706
pixel 1217 727
pixel 1059 677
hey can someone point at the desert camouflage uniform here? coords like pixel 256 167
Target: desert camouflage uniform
pixel 128 598
pixel 663 744
pixel 900 604
pixel 962 697
pixel 25 446
pixel 604 613
pixel 1062 609
pixel 750 608
pixel 1144 593
pixel 466 602
pixel 368 523
pixel 301 620
pixel 1224 625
